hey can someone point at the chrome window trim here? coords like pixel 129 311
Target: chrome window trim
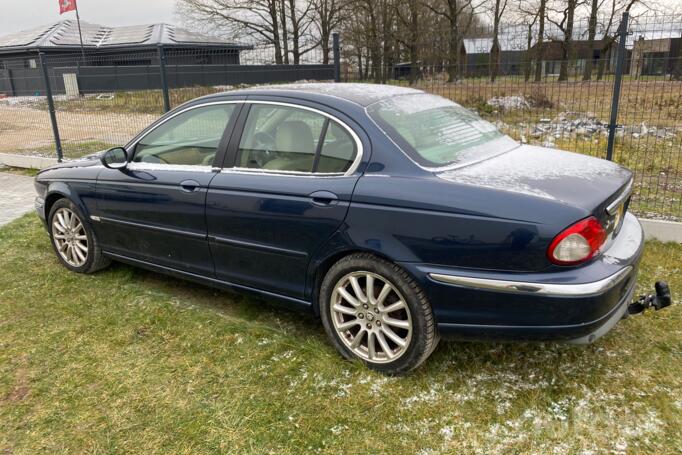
pixel 351 170
pixel 525 287
pixel 612 208
pixel 136 140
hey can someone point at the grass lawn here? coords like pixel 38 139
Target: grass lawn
pixel 134 362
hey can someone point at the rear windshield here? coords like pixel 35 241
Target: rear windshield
pixel 436 132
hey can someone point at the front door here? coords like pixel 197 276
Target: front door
pixel 154 210
pixel 287 193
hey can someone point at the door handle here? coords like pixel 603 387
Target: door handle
pixel 324 198
pixel 189 186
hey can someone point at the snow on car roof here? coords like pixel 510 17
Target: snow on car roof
pixel 362 94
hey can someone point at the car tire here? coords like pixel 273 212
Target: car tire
pixel 73 240
pixel 391 329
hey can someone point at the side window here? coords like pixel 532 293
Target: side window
pixel 283 138
pixel 190 138
pixel 338 150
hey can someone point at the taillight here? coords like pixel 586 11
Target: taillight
pixel 578 243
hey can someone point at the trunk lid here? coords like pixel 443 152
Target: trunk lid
pixel 581 181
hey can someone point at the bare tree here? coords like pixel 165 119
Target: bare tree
pixel 459 15
pixel 563 16
pixel 408 18
pixel 614 10
pixel 537 12
pixel 497 9
pixel 257 19
pixel 327 15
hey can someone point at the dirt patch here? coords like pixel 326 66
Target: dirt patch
pixel 20 389
pixel 26 129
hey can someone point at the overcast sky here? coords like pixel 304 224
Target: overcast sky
pixel 18 15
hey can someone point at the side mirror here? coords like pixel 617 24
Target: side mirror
pixel 115 158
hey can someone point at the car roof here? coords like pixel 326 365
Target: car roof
pixel 361 94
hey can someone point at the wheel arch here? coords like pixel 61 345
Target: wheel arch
pixel 60 190
pixel 321 266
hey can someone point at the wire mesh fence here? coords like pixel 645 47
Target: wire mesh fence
pixel 556 92
pixel 540 88
pixel 103 99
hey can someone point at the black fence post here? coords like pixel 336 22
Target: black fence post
pixel 336 48
pixel 620 63
pixel 50 107
pixel 164 81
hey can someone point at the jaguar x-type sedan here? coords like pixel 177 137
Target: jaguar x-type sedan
pixel 395 216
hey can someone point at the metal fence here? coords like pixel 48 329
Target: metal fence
pixel 617 96
pixel 69 105
pixel 614 93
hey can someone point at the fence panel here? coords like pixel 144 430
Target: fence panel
pixel 24 119
pixel 557 95
pixel 650 137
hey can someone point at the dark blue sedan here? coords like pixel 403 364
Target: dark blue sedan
pixel 394 215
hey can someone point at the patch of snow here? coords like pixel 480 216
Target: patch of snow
pixel 508 103
pixel 521 169
pixel 446 432
pixel 365 92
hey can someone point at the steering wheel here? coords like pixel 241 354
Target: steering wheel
pixel 263 141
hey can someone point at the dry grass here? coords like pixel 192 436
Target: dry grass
pixel 133 362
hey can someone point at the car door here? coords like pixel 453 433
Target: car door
pixel 285 190
pixel 154 209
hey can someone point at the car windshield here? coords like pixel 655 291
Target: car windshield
pixel 436 132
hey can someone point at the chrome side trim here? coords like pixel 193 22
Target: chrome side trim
pixel 524 287
pixel 95 218
pixel 151 227
pixel 612 208
pixel 256 246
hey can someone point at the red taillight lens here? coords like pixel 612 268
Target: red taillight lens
pixel 578 243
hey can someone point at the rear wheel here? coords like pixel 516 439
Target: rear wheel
pixel 73 240
pixel 373 311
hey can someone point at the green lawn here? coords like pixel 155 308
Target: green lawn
pixel 129 361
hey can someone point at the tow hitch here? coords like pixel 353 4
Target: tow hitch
pixel 659 301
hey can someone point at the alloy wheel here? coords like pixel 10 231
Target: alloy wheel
pixel 371 317
pixel 69 237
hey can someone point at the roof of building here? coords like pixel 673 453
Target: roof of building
pixel 64 34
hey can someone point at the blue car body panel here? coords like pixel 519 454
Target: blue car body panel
pixel 275 235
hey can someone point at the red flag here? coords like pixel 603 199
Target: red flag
pixel 67 5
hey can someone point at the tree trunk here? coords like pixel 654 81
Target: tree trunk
pixel 285 33
pixel 567 44
pixel 414 50
pixel 591 33
pixel 360 74
pixel 272 6
pixel 494 59
pixel 494 64
pixel 540 47
pixel 295 32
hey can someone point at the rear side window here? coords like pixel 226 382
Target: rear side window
pixel 289 139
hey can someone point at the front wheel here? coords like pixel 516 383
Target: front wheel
pixel 373 311
pixel 73 239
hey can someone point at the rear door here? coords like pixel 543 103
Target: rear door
pixel 154 210
pixel 285 190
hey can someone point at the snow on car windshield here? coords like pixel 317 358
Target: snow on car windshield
pixel 436 132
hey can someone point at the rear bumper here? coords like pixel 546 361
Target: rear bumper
pixel 575 305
